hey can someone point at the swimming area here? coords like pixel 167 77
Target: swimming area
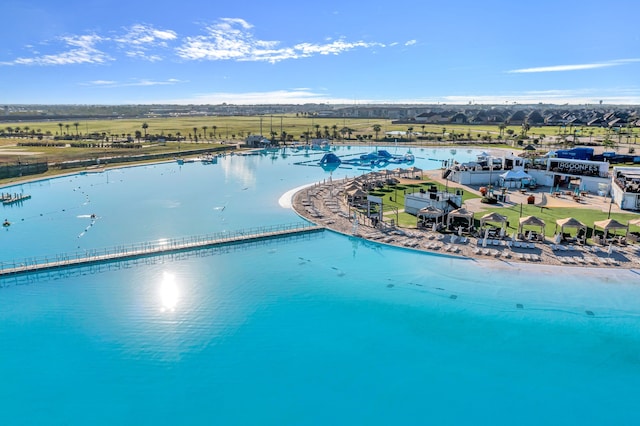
pixel 322 328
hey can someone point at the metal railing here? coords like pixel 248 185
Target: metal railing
pixel 151 248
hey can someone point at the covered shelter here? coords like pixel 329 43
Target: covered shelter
pixel 609 227
pixel 514 178
pixel 571 223
pixel 460 218
pixel 430 217
pixel 494 218
pixel 633 235
pixel 413 170
pixel 355 196
pixel 531 221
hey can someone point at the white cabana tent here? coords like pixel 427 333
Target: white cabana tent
pixel 413 170
pixel 355 195
pixel 609 226
pixel 514 178
pixel 494 218
pixel 531 221
pixel 632 236
pixel 462 214
pixel 569 222
pixel 428 216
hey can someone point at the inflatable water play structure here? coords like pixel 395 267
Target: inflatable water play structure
pixel 378 158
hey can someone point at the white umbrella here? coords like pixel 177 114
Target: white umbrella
pixel 558 238
pixel 610 249
pixel 459 231
pixel 501 232
pixel 434 228
pixel 486 235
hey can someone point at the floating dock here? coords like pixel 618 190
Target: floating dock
pixel 154 248
pixel 15 198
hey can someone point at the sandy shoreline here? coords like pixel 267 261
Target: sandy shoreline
pixel 324 204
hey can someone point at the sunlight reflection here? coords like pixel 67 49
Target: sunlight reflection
pixel 169 294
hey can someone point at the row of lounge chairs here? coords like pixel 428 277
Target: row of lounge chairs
pixel 587 260
pixel 506 243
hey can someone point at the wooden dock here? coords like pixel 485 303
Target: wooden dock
pixel 154 248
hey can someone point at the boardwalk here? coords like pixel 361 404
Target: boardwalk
pixel 154 248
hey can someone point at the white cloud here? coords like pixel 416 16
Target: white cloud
pixel 575 67
pixel 136 82
pixel 139 39
pixel 81 50
pixel 230 39
pixel 411 42
pixel 145 35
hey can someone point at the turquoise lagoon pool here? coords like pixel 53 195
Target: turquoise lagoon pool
pixel 313 330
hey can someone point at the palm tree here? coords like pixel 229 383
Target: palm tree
pixel 76 124
pixel 204 131
pixel 215 128
pixel 409 132
pixel 423 126
pixel 326 132
pixel 145 126
pixel 377 128
pixel 60 125
pixel 138 135
pixel 318 134
pixel 195 134
pixel 334 129
pixel 66 126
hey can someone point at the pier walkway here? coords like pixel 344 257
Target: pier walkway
pixel 154 248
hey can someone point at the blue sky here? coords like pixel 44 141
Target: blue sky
pixel 244 52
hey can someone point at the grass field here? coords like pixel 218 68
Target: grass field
pixel 238 127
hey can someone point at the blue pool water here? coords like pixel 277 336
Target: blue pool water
pixel 324 329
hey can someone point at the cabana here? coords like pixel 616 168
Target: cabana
pixel 531 221
pixel 633 236
pixel 569 222
pixel 413 170
pixel 429 217
pixel 493 218
pixel 460 217
pixel 607 227
pixel 355 196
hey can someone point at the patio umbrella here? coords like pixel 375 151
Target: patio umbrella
pixel 486 235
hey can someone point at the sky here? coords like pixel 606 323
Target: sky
pixel 336 52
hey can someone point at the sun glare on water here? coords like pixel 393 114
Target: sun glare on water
pixel 169 294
